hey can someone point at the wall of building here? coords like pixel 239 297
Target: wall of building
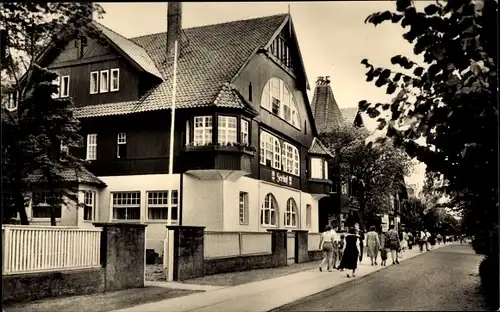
pixel 155 231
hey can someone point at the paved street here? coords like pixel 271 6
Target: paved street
pixel 441 280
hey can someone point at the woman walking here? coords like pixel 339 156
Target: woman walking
pixel 392 243
pixel 372 245
pixel 351 253
pixel 326 244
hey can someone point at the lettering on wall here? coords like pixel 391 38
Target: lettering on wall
pixel 281 178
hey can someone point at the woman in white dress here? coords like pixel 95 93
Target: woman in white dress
pixel 404 243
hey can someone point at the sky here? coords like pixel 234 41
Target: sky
pixel 332 37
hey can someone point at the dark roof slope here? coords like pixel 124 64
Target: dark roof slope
pixel 318 148
pixel 349 114
pixel 210 57
pixel 69 175
pixel 325 110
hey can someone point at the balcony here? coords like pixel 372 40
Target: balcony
pixel 320 187
pixel 216 161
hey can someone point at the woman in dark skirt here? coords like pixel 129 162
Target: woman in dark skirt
pixel 351 253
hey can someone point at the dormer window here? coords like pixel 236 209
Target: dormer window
pixel 104 81
pixel 115 79
pixel 278 99
pixel 94 82
pixel 64 89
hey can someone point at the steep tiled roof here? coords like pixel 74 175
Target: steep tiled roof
pixel 135 52
pixel 210 56
pixel 349 114
pixel 326 112
pixel 85 177
pixel 319 148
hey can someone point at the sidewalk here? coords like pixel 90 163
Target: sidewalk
pixel 267 294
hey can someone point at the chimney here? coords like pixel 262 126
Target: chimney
pixel 174 27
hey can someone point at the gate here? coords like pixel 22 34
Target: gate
pixel 290 248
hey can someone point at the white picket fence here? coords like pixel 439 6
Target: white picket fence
pixel 28 249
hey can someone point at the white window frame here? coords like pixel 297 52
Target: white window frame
pixel 111 79
pixel 45 196
pixel 245 139
pixel 286 99
pixel 291 159
pixel 91 146
pixel 203 130
pixel 325 168
pixel 64 86
pixel 270 209
pixel 270 149
pixel 104 88
pixel 308 216
pixel 291 213
pixel 227 134
pixel 344 189
pixel 57 81
pixel 187 133
pixel 89 200
pixel 94 79
pixel 121 139
pixel 162 203
pixel 64 150
pixel 135 205
pixel 243 208
pixel 317 168
pixel 12 101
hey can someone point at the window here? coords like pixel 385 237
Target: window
pixel 64 86
pixel 91 146
pixel 325 168
pixel 64 151
pixel 94 82
pixel 202 130
pixel 291 159
pixel 104 81
pixel 250 91
pixel 187 132
pixel 344 188
pixel 88 205
pixel 273 155
pixel 158 206
pixel 243 208
pixel 317 168
pixel 244 133
pixel 12 101
pixel 226 130
pixel 121 148
pixel 57 82
pixel 308 216
pixel 291 213
pixel 278 99
pixel 115 79
pixel 126 205
pixel 268 211
pixel 41 207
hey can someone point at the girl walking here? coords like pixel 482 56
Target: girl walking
pixel 351 253
pixel 372 245
pixel 392 243
pixel 326 244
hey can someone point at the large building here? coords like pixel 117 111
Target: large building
pixel 246 156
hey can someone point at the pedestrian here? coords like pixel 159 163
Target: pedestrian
pixel 372 245
pixel 439 238
pixel 326 245
pixel 341 251
pixel 392 243
pixel 361 235
pixel 432 240
pixel 383 255
pixel 336 251
pixel 427 242
pixel 422 239
pixel 410 240
pixel 351 253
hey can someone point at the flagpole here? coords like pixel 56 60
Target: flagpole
pixel 172 132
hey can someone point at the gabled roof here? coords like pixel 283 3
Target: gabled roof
pixel 209 58
pixel 349 114
pixel 136 53
pixel 326 112
pixel 318 148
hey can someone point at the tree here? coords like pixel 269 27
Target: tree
pixel 449 102
pixel 377 170
pixel 28 30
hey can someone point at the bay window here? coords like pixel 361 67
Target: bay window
pixel 40 206
pixel 278 99
pixel 244 132
pixel 282 156
pixel 319 168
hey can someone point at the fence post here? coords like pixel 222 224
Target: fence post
pixel 6 249
pixel 188 257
